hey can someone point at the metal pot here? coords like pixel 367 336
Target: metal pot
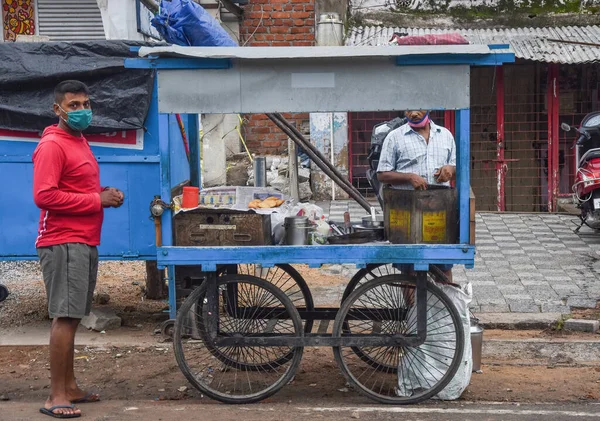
pixel 296 230
pixel 377 231
pixel 368 222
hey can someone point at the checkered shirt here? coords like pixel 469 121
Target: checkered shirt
pixel 406 151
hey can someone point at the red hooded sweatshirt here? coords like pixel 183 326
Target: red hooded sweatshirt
pixel 66 187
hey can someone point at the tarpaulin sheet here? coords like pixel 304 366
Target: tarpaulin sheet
pixel 429 39
pixel 29 73
pixel 184 22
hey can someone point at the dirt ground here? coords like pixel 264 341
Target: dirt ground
pixel 151 373
pixel 124 282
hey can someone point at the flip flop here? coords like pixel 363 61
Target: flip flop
pixel 87 398
pixel 50 411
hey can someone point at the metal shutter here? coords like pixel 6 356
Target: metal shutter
pixel 70 20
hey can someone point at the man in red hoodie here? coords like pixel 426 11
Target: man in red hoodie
pixel 66 187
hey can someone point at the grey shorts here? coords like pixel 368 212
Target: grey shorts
pixel 70 272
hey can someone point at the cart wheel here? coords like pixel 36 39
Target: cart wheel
pixel 420 372
pixel 167 328
pixel 3 293
pixel 286 278
pixel 369 274
pixel 375 271
pixel 238 374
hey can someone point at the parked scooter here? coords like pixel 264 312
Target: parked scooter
pixel 587 179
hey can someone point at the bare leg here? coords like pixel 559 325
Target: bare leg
pixel 73 390
pixel 62 337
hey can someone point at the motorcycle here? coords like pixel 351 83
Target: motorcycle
pixel 586 190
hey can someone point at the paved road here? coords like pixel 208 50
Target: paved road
pixel 525 263
pixel 176 411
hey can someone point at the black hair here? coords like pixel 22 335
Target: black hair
pixel 71 87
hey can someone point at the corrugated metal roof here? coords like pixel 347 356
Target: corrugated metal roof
pixel 526 43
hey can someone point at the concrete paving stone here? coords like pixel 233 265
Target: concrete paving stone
pixel 487 247
pixel 573 242
pixel 530 247
pixel 480 268
pixel 488 291
pixel 513 251
pixel 532 282
pixel 498 267
pixel 538 256
pixel 574 267
pixel 497 261
pixel 523 306
pixel 550 239
pixel 560 278
pixel 494 308
pixel 542 292
pixel 491 301
pixel 506 275
pixel 552 272
pixel 479 279
pixel 566 289
pixel 512 289
pixel 518 258
pixel 547 262
pixel 582 325
pixel 486 255
pixel 504 237
pixel 560 252
pixel 517 296
pixel 582 302
pixel 477 283
pixel 579 250
pixel 524 268
pixel 555 245
pixel 554 307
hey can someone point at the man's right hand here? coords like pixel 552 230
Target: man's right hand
pixel 418 182
pixel 110 198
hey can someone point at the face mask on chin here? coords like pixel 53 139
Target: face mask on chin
pixel 421 123
pixel 78 120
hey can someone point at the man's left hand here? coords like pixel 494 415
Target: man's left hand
pixel 121 195
pixel 444 174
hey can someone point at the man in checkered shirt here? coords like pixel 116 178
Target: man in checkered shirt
pixel 417 155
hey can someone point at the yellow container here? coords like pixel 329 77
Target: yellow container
pixel 421 216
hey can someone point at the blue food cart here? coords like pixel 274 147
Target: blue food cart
pixel 240 335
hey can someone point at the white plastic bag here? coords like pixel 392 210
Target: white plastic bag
pixel 435 358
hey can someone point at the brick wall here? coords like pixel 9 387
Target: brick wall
pixel 275 23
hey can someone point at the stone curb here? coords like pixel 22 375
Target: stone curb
pixel 552 352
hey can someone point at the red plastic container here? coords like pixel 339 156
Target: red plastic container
pixel 190 197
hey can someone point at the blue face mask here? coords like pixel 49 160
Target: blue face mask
pixel 78 120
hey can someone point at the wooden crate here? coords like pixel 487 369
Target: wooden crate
pixel 212 227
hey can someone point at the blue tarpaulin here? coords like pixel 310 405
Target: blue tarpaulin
pixel 184 22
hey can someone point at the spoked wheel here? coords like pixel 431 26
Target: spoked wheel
pixel 399 374
pixel 370 274
pixel 284 277
pixel 375 271
pixel 247 306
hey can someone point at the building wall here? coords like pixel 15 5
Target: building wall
pixel 525 133
pixel 18 18
pixel 275 23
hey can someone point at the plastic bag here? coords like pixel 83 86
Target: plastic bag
pixel 411 376
pixel 184 22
